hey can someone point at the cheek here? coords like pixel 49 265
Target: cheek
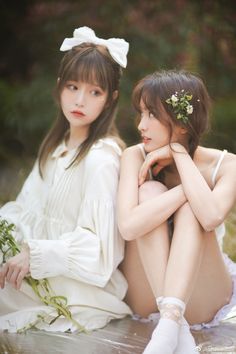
pixel 101 105
pixel 63 99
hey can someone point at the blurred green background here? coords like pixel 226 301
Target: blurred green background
pixel 194 35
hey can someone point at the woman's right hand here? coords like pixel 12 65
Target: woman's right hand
pixel 15 269
pixel 157 160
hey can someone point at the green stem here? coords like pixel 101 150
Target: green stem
pixel 41 287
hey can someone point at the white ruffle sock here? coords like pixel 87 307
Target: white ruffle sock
pixel 186 343
pixel 166 334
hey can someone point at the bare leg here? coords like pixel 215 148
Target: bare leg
pixel 139 296
pixel 145 261
pixel 154 262
pixel 196 272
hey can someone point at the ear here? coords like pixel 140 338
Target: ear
pixel 115 94
pixel 181 130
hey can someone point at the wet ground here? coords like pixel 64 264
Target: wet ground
pixel 119 337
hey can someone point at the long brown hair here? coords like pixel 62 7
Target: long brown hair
pixel 93 64
pixel 156 88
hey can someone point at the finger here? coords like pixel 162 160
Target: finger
pixel 13 279
pixel 9 272
pixel 144 170
pixel 20 277
pixel 142 177
pixel 157 169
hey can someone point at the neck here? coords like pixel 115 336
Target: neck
pixel 76 137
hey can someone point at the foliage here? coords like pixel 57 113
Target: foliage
pixel 181 106
pixel 182 34
pixel 198 36
pixel 41 287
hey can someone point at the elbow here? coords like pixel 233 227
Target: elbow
pixel 127 232
pixel 211 223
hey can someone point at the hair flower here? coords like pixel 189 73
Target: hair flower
pixel 180 103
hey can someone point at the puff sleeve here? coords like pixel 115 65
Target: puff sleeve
pixel 91 252
pixel 24 211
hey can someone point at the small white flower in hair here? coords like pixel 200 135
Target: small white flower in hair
pixel 174 98
pixel 180 104
pixel 189 109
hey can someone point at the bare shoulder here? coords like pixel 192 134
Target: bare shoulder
pixel 132 158
pixel 133 152
pixel 209 158
pixel 213 155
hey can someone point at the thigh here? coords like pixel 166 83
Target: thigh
pixel 213 286
pixel 139 296
pixel 203 269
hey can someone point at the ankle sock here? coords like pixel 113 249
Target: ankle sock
pixel 186 344
pixel 165 336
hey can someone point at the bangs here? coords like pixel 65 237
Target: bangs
pixel 149 95
pixel 89 66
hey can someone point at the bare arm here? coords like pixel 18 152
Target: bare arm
pixel 136 219
pixel 209 206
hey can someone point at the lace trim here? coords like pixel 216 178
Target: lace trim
pixel 172 312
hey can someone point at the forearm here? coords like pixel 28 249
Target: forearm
pixel 142 218
pixel 198 193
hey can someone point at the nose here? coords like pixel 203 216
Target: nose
pixel 80 98
pixel 142 124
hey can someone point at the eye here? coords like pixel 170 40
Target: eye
pixel 70 86
pixel 96 92
pixel 151 115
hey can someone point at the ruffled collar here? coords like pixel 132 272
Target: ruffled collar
pixel 62 150
pixel 107 142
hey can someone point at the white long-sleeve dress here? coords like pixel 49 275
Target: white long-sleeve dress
pixel 68 219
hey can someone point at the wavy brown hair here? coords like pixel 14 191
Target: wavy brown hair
pixel 93 64
pixel 156 88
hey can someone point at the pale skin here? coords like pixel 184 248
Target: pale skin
pixel 81 103
pixel 191 267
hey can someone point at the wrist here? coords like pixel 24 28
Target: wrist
pixel 178 148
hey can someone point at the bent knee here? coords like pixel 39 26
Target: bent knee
pixel 185 213
pixel 151 189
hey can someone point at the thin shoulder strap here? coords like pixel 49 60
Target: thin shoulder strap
pixel 141 147
pixel 142 150
pixel 222 155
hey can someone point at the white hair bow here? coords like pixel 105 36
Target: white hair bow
pixel 117 47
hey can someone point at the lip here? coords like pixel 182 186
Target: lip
pixel 78 114
pixel 145 139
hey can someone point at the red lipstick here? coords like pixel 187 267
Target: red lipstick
pixel 78 114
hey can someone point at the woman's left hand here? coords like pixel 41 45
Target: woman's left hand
pixel 15 269
pixel 161 158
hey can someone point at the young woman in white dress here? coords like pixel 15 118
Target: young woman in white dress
pixel 65 214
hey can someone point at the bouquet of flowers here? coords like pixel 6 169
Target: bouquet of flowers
pixel 9 248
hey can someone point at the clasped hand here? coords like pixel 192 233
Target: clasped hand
pixel 15 269
pixel 158 159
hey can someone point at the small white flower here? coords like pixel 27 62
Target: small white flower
pixel 189 109
pixel 174 98
pixel 179 116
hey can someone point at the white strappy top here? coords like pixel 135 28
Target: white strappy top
pixel 220 230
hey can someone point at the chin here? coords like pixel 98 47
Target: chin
pixel 150 148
